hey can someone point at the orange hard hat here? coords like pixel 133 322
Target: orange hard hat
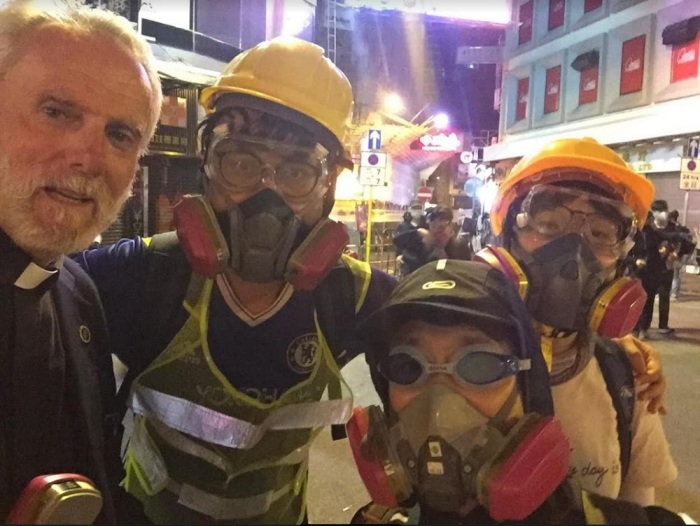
pixel 574 160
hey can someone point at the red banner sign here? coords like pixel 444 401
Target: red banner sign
pixel 556 13
pixel 552 88
pixel 684 61
pixel 591 5
pixel 525 19
pixel 632 67
pixel 521 103
pixel 588 86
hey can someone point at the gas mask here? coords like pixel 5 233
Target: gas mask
pixel 443 453
pixel 261 239
pixel 562 282
pixel 561 271
pixel 565 278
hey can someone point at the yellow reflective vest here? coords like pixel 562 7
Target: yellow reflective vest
pixel 237 460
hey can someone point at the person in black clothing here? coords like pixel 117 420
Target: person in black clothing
pixel 657 247
pixel 436 241
pixel 684 248
pixel 406 258
pixel 80 100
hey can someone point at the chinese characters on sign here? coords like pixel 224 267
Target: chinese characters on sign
pixel 632 66
pixel 690 174
pixel 552 86
pixel 442 142
pixel 522 95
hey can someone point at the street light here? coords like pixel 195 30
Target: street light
pixel 393 103
pixel 441 121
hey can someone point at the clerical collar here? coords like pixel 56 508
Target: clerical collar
pixel 17 267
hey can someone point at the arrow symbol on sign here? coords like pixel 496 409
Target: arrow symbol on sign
pixel 375 140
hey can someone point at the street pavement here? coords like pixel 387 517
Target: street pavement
pixel 335 491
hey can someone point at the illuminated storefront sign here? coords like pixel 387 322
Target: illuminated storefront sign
pixel 525 20
pixel 552 87
pixel 632 67
pixel 684 61
pixel 588 86
pixel 442 142
pixel 556 14
pixel 522 96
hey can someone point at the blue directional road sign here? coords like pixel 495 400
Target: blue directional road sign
pixel 374 140
pixel 693 148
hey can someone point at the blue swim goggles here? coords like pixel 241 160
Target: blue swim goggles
pixel 474 365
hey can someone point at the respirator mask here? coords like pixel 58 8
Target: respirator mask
pixel 444 454
pixel 563 283
pixel 263 238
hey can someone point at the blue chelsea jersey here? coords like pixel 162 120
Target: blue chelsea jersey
pixel 262 356
pixel 263 359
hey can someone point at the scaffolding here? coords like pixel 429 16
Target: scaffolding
pixel 332 27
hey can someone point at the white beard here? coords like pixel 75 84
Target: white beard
pixel 72 231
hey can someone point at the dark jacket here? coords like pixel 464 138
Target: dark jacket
pixel 648 243
pixel 89 380
pixel 415 254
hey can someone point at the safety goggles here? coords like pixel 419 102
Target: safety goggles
pixel 549 211
pixel 474 365
pixel 242 163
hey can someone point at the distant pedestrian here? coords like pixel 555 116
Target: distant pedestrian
pixel 684 249
pixel 435 241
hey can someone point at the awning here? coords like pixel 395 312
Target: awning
pixel 665 119
pixel 186 66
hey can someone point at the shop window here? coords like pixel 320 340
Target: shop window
pixel 632 66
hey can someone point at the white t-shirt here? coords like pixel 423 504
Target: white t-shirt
pixel 585 410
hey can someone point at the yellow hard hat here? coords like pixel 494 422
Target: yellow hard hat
pixel 574 160
pixel 292 73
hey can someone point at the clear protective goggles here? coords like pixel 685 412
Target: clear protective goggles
pixel 241 163
pixel 475 364
pixel 549 211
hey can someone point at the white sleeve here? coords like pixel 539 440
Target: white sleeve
pixel 651 464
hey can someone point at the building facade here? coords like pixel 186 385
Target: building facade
pixel 624 72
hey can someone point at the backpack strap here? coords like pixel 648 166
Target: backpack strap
pixel 619 379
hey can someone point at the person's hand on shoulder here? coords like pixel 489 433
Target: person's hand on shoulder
pixel 647 371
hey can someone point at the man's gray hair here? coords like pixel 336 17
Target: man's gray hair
pixel 20 19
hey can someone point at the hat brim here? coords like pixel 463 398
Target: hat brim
pixel 381 326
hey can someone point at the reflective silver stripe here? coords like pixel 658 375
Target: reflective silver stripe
pixel 148 457
pixel 182 443
pixel 218 428
pixel 223 508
